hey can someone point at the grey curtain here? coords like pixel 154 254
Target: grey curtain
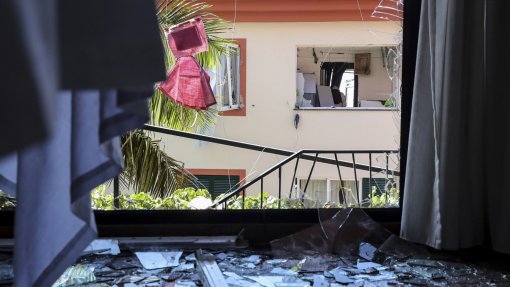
pixel 456 192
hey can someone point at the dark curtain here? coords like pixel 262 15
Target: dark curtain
pixel 456 189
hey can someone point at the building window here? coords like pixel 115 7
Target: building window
pixel 347 77
pixel 225 80
pixel 320 192
pixel 218 184
pixel 218 181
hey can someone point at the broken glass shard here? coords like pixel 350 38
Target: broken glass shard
pixel 103 246
pixel 340 234
pixel 367 265
pixel 184 267
pixel 281 271
pixel 320 281
pixel 76 275
pixel 367 251
pixel 191 257
pixel 157 260
pixel 255 259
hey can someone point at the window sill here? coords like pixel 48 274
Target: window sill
pixel 346 109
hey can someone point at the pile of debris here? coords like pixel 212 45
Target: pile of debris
pixel 346 250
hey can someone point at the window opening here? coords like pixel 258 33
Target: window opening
pixel 226 80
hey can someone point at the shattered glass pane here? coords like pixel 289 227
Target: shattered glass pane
pixel 341 235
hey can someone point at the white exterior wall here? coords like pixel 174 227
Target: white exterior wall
pixel 271 71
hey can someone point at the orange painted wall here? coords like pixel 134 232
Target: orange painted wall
pixel 294 10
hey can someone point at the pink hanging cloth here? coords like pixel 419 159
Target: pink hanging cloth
pixel 188 83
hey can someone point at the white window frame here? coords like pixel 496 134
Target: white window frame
pixel 234 93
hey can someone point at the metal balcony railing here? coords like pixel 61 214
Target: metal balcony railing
pixel 309 155
pixel 306 154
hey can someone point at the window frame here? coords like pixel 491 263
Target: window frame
pixel 356 101
pixel 241 111
pixel 229 69
pixel 261 225
pixel 241 173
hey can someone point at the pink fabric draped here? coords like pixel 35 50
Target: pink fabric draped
pixel 188 83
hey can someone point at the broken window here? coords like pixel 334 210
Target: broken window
pixel 347 77
pixel 226 80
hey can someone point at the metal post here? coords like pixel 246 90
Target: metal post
pixel 279 186
pixel 309 175
pixel 293 177
pixel 356 179
pixel 370 176
pixel 244 195
pixel 261 192
pixel 341 191
pixel 387 171
pixel 116 193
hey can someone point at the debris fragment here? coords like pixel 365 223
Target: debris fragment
pixel 209 271
pixel 367 265
pixel 156 260
pixel 6 274
pixel 76 275
pixel 320 281
pixel 343 279
pixel 285 272
pixel 221 256
pixel 341 234
pixel 103 246
pixel 191 257
pixel 367 251
pixel 255 259
pixel 425 263
pixel 184 267
pixel 276 261
pixel 124 263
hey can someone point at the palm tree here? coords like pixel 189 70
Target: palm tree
pixel 147 167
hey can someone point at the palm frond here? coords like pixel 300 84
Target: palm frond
pixel 149 169
pixel 164 111
pixel 175 12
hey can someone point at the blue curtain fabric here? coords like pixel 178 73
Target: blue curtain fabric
pixel 456 193
pixel 54 220
pixel 68 93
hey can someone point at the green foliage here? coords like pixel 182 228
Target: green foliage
pixel 390 102
pixel 268 202
pixel 164 111
pixel 6 201
pixel 181 199
pixel 148 169
pixel 143 201
pixel 391 198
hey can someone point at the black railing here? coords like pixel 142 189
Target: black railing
pixel 310 155
pixel 301 154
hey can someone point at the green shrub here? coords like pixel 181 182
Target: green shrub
pixel 6 201
pixel 391 198
pixel 179 199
